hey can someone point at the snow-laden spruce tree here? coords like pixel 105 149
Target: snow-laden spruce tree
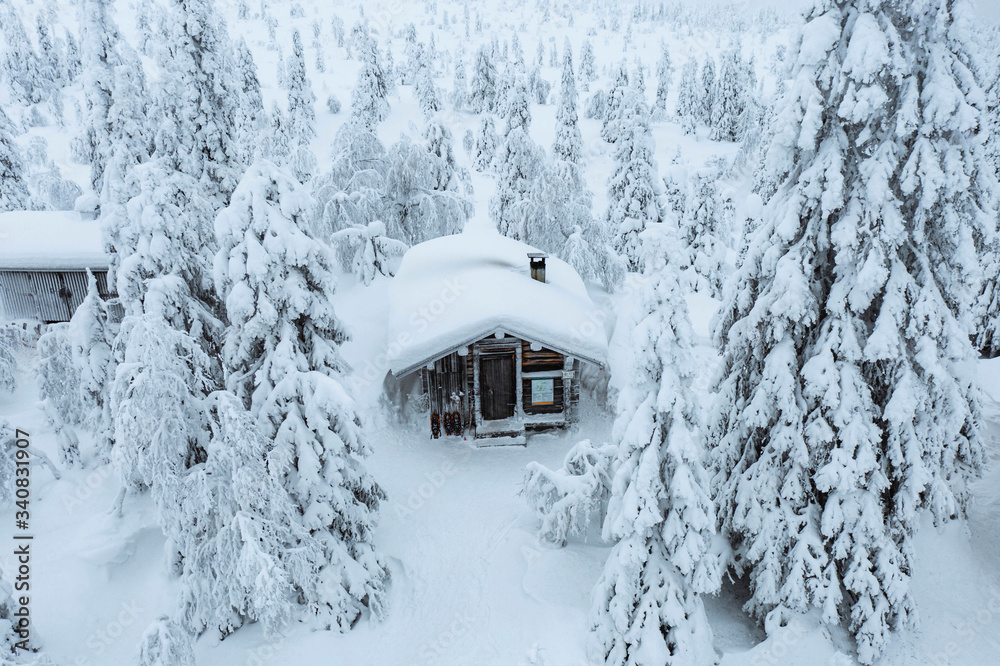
pixel 688 99
pixel 460 88
pixel 664 72
pixel 634 187
pixel 571 500
pixel 987 338
pixel 702 236
pixel 588 73
pixel 419 200
pixel 131 142
pixel 202 90
pixel 282 361
pixel 251 557
pixel 91 336
pixel 19 62
pixel 660 512
pixel 487 141
pixel 301 113
pixel 617 96
pixel 568 144
pixel 366 251
pixel 518 162
pixel 9 342
pixel 14 194
pixel 98 37
pixel 847 404
pixel 253 117
pixel 369 103
pixel 706 93
pixel 483 86
pixel 166 643
pixel 515 106
pixel 424 88
pixel 59 390
pixel 352 192
pixel 731 98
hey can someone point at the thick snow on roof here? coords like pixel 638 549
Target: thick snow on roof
pixel 454 290
pixel 50 240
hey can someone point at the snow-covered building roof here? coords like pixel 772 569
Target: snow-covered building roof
pixel 50 240
pixel 452 291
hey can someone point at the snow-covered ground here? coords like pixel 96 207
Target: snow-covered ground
pixel 471 582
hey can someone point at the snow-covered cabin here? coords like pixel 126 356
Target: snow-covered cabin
pixel 44 258
pixel 497 331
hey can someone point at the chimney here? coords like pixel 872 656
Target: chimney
pixel 537 265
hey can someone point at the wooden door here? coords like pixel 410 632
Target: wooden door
pixel 496 386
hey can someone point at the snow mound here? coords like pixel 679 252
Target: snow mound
pixel 50 240
pixel 454 290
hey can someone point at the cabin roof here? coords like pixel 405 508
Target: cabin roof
pixel 452 291
pixel 50 240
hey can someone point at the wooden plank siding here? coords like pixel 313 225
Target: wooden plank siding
pixel 543 359
pixel 47 296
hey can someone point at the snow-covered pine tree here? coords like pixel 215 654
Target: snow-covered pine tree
pixel 847 404
pixel 568 144
pixel 20 63
pixel 418 202
pixel 8 357
pixel 664 72
pixel 634 190
pixel 282 361
pixel 620 90
pixel 460 89
pixel 570 500
pixel 166 643
pixel 301 113
pixel 91 336
pixel 14 194
pixel 131 142
pixel 660 511
pixel 366 251
pixel 688 100
pixel 483 87
pixel 98 37
pixel 588 74
pixel 352 192
pixel 517 161
pixel 253 117
pixel 487 141
pixel 515 108
pixel 59 390
pixel 202 92
pixel 706 95
pixel 369 103
pixel 424 87
pixel 701 235
pixel 731 100
pixel 251 557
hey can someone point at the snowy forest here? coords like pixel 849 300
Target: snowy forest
pixel 786 215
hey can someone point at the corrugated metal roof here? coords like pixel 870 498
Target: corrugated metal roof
pixel 47 296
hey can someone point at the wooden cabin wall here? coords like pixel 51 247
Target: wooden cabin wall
pixel 449 377
pixel 541 360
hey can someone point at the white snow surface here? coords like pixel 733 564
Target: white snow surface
pixel 454 290
pixel 49 240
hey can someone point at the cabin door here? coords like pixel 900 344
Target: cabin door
pixel 496 386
